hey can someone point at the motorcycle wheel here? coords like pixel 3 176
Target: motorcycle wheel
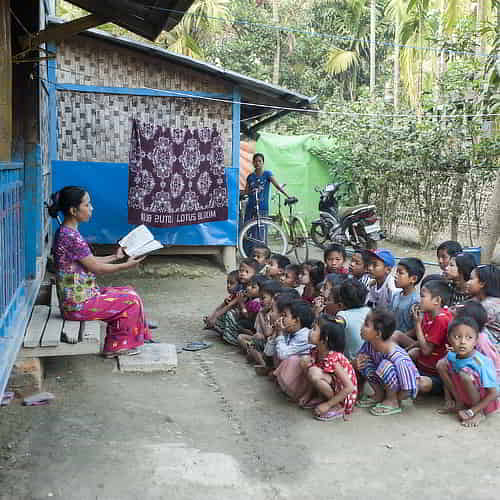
pixel 319 235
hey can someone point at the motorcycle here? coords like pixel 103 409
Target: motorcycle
pixel 357 226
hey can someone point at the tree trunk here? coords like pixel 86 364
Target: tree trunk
pixel 491 232
pixel 456 209
pixel 480 20
pixel 397 66
pixel 276 62
pixel 373 21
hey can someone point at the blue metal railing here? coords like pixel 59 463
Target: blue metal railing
pixel 12 264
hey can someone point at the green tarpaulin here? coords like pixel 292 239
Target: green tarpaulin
pixel 292 164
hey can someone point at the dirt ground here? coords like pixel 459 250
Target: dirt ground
pixel 217 431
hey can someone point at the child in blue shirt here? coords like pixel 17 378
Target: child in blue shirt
pixel 469 377
pixel 409 273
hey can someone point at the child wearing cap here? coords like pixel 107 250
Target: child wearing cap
pixel 383 287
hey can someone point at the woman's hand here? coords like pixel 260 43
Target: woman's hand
pixel 119 254
pixel 134 261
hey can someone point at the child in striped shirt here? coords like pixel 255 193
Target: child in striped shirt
pixel 389 370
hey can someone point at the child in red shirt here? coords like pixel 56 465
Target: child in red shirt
pixel 431 328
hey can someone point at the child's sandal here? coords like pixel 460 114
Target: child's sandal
pixel 366 402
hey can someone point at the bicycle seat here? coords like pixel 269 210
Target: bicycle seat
pixel 291 201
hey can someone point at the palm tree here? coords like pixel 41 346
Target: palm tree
pixel 202 18
pixel 347 61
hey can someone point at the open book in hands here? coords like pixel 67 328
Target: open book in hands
pixel 139 241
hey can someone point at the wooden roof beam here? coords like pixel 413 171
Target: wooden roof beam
pixel 56 33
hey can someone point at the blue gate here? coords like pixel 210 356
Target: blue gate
pixel 12 274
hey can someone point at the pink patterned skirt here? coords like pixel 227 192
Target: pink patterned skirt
pixel 291 378
pixel 122 309
pixel 464 396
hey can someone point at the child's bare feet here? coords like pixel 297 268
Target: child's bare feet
pixel 468 421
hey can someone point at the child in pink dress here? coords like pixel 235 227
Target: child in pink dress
pixel 329 372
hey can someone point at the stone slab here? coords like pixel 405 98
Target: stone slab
pixel 153 358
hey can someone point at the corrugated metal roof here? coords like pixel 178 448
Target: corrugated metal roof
pixel 139 16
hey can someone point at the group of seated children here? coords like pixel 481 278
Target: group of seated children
pixel 325 331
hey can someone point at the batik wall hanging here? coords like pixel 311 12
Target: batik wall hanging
pixel 176 176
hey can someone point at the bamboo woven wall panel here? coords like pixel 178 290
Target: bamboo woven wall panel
pixel 97 127
pixel 85 61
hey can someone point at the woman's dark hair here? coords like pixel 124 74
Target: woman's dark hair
pixel 452 247
pixel 473 309
pixel 333 332
pixel 316 270
pixel 489 274
pixel 464 320
pixel 256 155
pixel 465 264
pixel 64 199
pixel 352 293
pixel 301 310
pixel 384 322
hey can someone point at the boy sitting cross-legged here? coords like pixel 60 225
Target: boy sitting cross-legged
pixel 381 291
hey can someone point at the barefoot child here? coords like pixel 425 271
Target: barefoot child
pixel 470 377
pixel 431 328
pixel 335 258
pixel 389 370
pixel 332 380
pixel 380 292
pixel 233 286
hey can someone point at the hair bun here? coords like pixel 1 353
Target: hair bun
pixel 54 207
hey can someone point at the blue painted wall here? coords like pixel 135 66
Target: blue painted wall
pixel 107 184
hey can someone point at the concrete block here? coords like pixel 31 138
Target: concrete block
pixel 26 377
pixel 153 358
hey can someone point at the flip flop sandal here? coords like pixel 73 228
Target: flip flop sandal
pixel 381 410
pixel 366 402
pixel 330 415
pixel 196 346
pixel 312 404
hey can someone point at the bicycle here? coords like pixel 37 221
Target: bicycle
pixel 281 233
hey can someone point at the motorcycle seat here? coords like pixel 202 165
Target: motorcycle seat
pixel 346 211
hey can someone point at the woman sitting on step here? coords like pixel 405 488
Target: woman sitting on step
pixel 80 298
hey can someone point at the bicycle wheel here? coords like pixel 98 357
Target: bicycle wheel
pixel 319 235
pixel 298 240
pixel 264 232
